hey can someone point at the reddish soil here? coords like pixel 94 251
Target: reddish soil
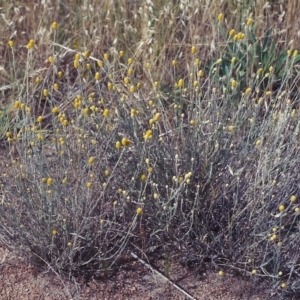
pixel 133 281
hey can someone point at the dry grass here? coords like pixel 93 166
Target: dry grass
pixel 152 126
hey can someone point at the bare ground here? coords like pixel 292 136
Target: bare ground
pixel 134 281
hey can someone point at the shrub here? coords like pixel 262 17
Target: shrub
pixel 104 158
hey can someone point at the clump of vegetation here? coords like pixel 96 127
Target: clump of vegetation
pixel 150 146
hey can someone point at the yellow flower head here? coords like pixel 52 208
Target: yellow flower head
pixel 193 50
pixel 220 17
pixel 247 91
pixel 106 56
pixel 110 86
pixel 125 142
pixel 11 43
pixel 249 21
pixel 54 25
pixel 130 72
pixel 86 111
pixel 106 112
pixel 139 211
pixel 148 134
pixel 51 59
pixel 295 53
pixel 17 104
pixel 197 62
pixel 231 32
pixel 133 112
pixel 258 143
pixel 233 83
pixel 97 76
pixel 60 74
pixel 40 119
pixel 76 63
pixel 30 44
pixel 180 83
pixel 118 145
pixel 91 160
pixel 45 92
pixel 200 73
pixel 156 117
pixel 188 175
pixel 240 36
pixel 65 122
pixel 49 181
pixel 132 89
pixel 55 110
